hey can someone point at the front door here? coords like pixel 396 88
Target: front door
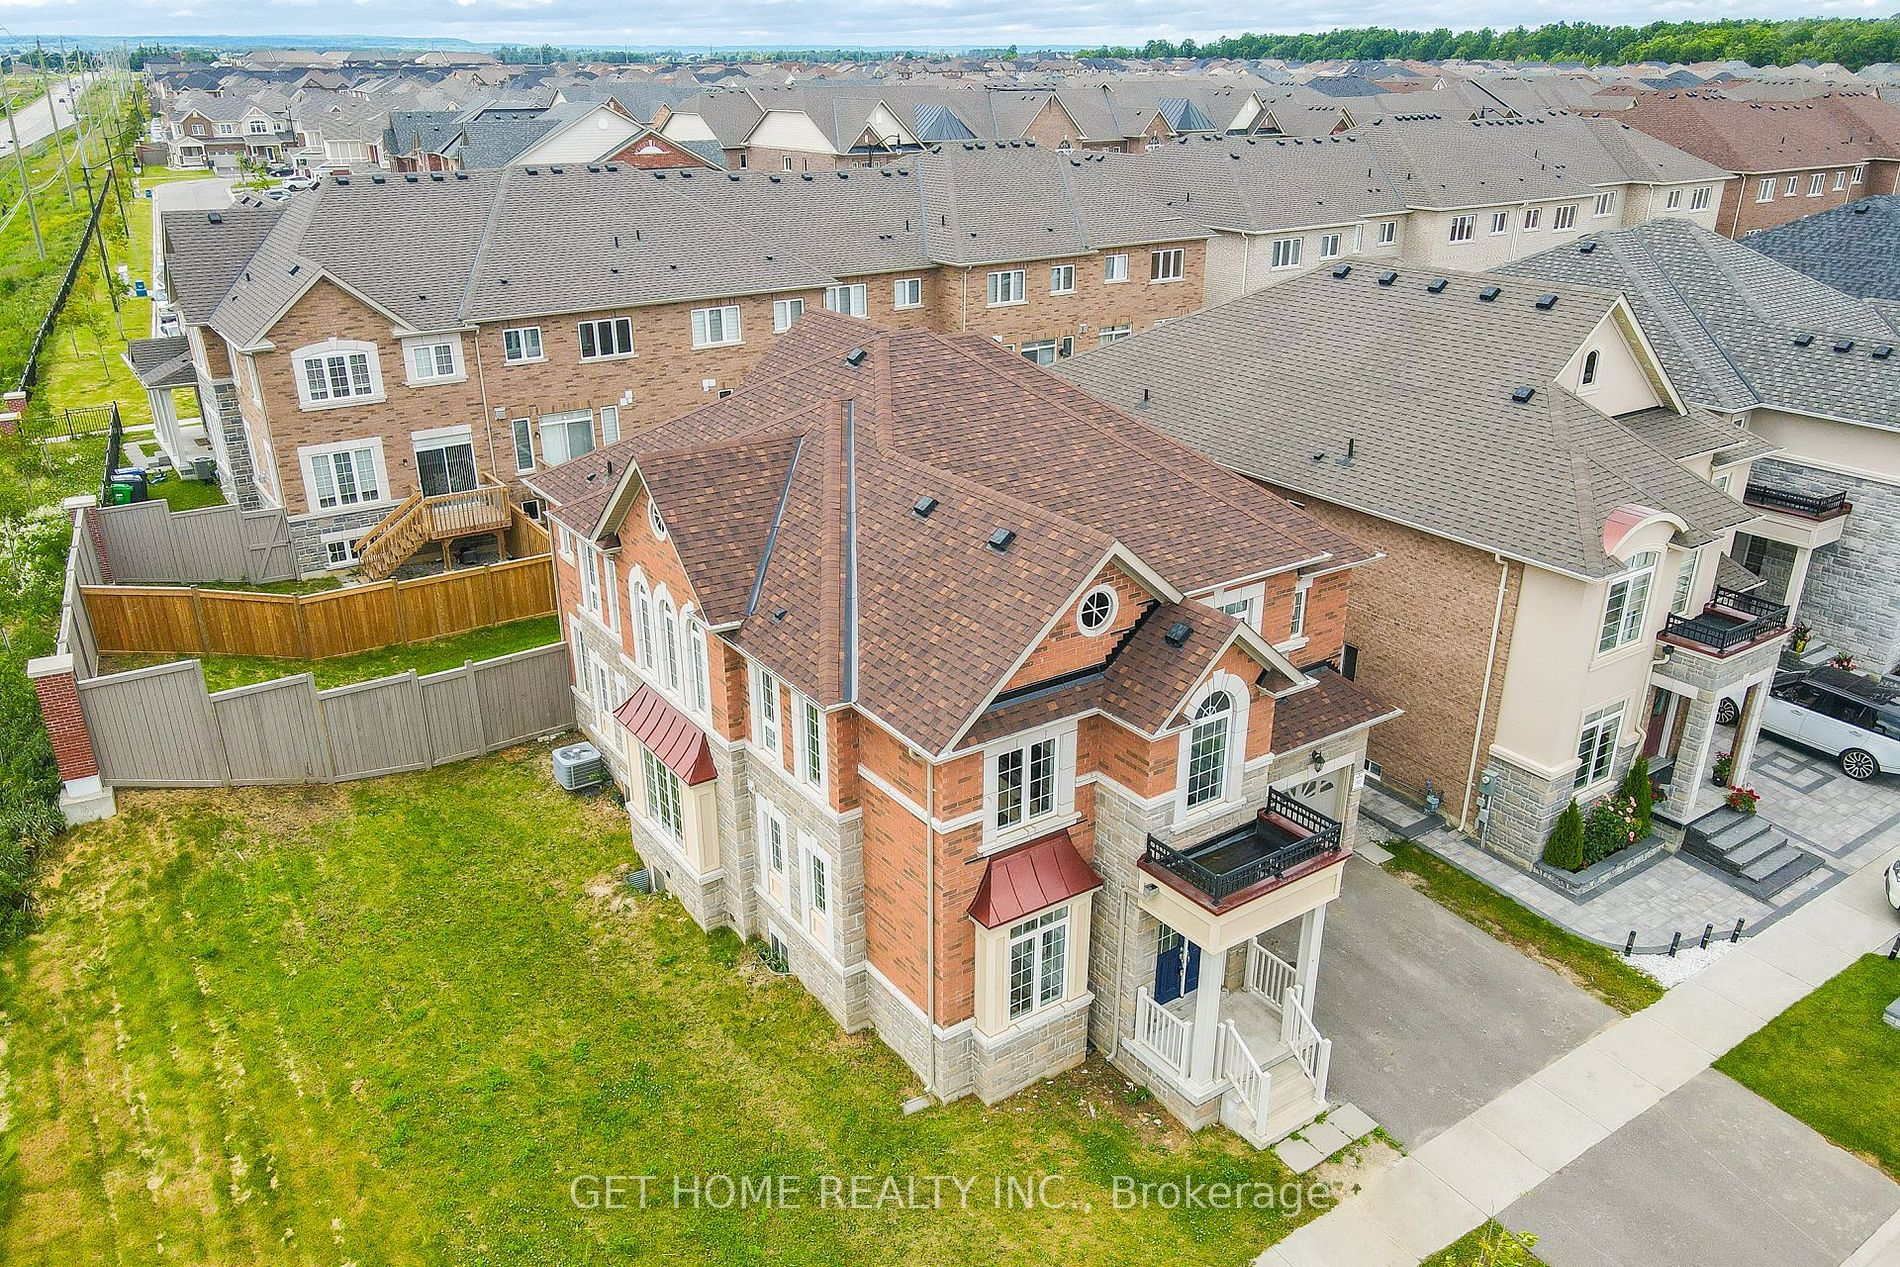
pixel 1658 728
pixel 1177 965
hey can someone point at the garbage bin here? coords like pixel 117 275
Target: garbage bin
pixel 132 477
pixel 121 494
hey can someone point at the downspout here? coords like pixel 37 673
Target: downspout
pixel 1246 263
pixel 963 322
pixel 930 916
pixel 1741 192
pixel 488 410
pixel 1484 696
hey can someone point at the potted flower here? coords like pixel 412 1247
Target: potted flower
pixel 1743 800
pixel 1844 661
pixel 1798 639
pixel 1724 766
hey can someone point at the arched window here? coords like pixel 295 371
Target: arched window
pixel 1589 367
pixel 670 645
pixel 643 625
pixel 1208 745
pixel 696 664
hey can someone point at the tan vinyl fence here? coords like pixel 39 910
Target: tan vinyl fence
pixel 159 727
pixel 193 621
pixel 149 544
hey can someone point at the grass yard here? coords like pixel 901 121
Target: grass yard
pixel 1830 1061
pixel 392 1021
pixel 1492 1245
pixel 189 494
pixel 224 672
pixel 169 175
pixel 1595 968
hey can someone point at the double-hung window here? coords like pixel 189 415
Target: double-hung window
pixel 1606 203
pixel 698 669
pixel 1167 266
pixel 765 712
pixel 1286 252
pixel 849 300
pixel 1115 267
pixel 1038 961
pixel 521 344
pixel 1793 187
pixel 343 475
pixel 1500 222
pixel 774 843
pixel 1296 625
pixel 907 292
pixel 1765 189
pixel 606 337
pixel 1026 780
pixel 785 312
pixel 1463 228
pixel 669 646
pixel 1062 279
pixel 1208 743
pixel 663 797
pixel 1533 219
pixel 1329 246
pixel 433 360
pixel 565 436
pixel 811 743
pixel 1673 201
pixel 1817 184
pixel 1699 198
pixel 1006 287
pixel 817 885
pixel 643 627
pixel 1388 232
pixel 1596 745
pixel 338 375
pixel 1566 217
pixel 716 327
pixel 1627 604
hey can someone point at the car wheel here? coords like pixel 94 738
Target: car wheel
pixel 1727 711
pixel 1856 764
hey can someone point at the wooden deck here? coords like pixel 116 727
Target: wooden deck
pixel 419 520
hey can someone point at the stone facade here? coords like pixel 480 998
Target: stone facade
pixel 1852 595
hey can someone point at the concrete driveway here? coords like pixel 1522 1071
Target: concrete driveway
pixel 1711 1174
pixel 1430 1018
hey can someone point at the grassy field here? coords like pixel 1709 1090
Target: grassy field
pixel 189 494
pixel 1600 971
pixel 393 1021
pixel 224 672
pixel 1831 1061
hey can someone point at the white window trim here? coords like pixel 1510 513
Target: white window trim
pixel 1062 806
pixel 1233 794
pixel 1110 263
pixel 1056 271
pixel 1500 223
pixel 898 288
pixel 1014 281
pixel 775 883
pixel 1178 255
pixel 1630 576
pixel 349 537
pixel 324 351
pixel 1114 610
pixel 855 296
pixel 1605 205
pixel 821 925
pixel 1607 718
pixel 633 346
pixel 1765 189
pixel 1331 245
pixel 1254 597
pixel 1285 253
pixel 308 452
pixel 1388 233
pixel 993 1022
pixel 702 321
pixel 1533 219
pixel 767 737
pixel 1565 218
pixel 458 371
pixel 1464 227
pixel 819 787
pixel 785 313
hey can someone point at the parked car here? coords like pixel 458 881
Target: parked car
pixel 282 170
pixel 300 182
pixel 1893 885
pixel 278 195
pixel 1853 719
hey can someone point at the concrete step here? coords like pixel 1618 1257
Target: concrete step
pixel 1755 848
pixel 1291 1116
pixel 1797 864
pixel 1737 834
pixel 1751 849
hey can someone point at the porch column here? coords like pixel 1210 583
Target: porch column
pixel 1312 927
pixel 1797 579
pixel 1207 1015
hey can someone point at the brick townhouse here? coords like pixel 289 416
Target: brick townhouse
pixel 1790 158
pixel 531 314
pixel 1809 369
pixel 1009 724
pixel 1556 596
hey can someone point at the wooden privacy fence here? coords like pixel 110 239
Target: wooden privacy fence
pixel 193 621
pixel 159 727
pixel 150 544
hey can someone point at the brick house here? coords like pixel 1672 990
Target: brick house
pixel 1809 369
pixel 1791 158
pixel 1009 749
pixel 339 371
pixel 1555 596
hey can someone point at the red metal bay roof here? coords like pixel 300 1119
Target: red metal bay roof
pixel 1030 878
pixel 668 734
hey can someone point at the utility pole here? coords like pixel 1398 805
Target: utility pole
pixel 52 105
pixel 26 178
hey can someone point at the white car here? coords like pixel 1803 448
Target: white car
pixel 1853 719
pixel 1893 885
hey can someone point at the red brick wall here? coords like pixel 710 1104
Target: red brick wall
pixel 896 922
pixel 66 725
pixel 1740 213
pixel 1067 649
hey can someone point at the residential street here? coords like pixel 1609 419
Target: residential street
pixel 35 121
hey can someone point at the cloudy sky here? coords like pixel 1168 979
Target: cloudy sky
pixel 913 23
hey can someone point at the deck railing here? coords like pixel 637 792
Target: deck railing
pixel 1795 502
pixel 418 520
pixel 1763 618
pixel 1322 838
pixel 1165 1035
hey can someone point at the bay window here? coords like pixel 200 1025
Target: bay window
pixel 1038 961
pixel 664 801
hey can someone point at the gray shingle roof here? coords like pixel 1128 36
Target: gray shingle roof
pixel 1724 319
pixel 1277 384
pixel 1855 249
pixel 204 257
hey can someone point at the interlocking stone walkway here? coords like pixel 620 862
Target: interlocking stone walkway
pixel 1804 794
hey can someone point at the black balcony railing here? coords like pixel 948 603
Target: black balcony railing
pixel 1732 619
pixel 1252 853
pixel 1795 502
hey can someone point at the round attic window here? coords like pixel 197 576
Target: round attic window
pixel 1096 611
pixel 655 522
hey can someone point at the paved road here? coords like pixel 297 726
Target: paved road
pixel 36 120
pixel 1713 1174
pixel 1431 1018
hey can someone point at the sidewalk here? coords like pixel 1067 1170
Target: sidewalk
pixel 1475 1169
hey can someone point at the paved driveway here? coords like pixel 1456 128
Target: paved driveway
pixel 1712 1174
pixel 1429 1017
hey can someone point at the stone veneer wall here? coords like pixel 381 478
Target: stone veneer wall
pixel 1704 679
pixel 1852 597
pixel 238 478
pixel 1525 805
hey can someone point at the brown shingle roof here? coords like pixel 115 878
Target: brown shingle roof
pixel 1331 706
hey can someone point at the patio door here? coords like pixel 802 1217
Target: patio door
pixel 446 464
pixel 1177 965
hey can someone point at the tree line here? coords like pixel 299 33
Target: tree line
pixel 1853 42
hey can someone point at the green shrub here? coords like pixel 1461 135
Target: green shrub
pixel 1609 826
pixel 1564 849
pixel 1641 793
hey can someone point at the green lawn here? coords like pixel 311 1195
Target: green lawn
pixel 1597 969
pixel 1492 1245
pixel 168 175
pixel 224 672
pixel 1831 1061
pixel 393 1021
pixel 189 494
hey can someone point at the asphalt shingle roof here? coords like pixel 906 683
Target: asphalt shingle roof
pixel 1854 249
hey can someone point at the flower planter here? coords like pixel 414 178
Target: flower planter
pixel 1598 874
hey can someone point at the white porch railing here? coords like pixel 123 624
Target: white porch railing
pixel 1165 1035
pixel 1268 975
pixel 1248 1082
pixel 1302 1037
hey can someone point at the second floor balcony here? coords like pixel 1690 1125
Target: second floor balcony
pixel 1284 840
pixel 1732 622
pixel 1801 503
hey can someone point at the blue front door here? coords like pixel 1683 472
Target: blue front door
pixel 1177 965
